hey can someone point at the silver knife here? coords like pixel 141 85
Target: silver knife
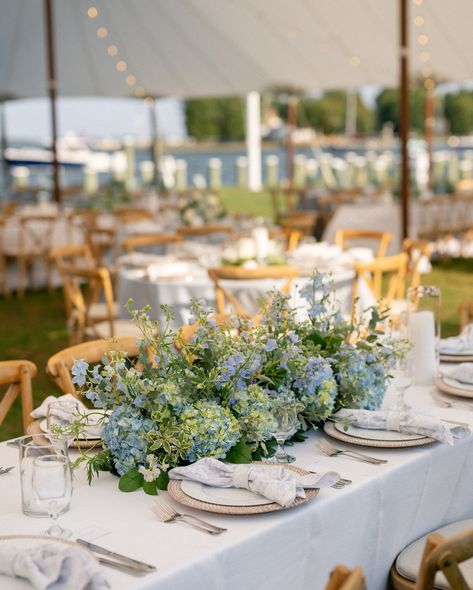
pixel 145 567
pixel 132 570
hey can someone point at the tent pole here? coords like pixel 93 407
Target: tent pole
pixel 52 84
pixel 253 140
pixel 291 124
pixel 429 123
pixel 404 117
pixel 3 147
pixel 154 148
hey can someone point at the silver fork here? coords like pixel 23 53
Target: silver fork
pixel 331 451
pixel 4 470
pixel 166 513
pixel 448 404
pixel 341 483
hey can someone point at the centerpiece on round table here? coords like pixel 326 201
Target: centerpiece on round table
pixel 199 208
pixel 211 396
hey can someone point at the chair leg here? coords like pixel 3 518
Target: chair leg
pixel 22 272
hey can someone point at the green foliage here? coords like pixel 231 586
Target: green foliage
pixel 387 108
pixel 240 453
pixel 458 109
pixel 215 118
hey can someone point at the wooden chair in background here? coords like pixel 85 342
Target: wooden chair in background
pixel 214 230
pixel 59 365
pixel 440 555
pixel 134 243
pixel 385 277
pixel 343 578
pixel 225 298
pixel 17 376
pixel 132 215
pixel 291 237
pixel 465 309
pixel 82 287
pixel 3 261
pixel 380 239
pixel 416 250
pixel 35 233
pixel 103 244
pixel 301 221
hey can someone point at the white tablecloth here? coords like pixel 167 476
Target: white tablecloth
pixel 178 293
pixel 366 523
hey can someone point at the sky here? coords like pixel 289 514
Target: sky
pixel 105 117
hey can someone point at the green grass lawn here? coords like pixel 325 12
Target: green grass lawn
pixel 34 328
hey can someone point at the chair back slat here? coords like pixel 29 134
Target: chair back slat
pixel 17 375
pixel 343 237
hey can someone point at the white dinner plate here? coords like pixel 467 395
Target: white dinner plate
pixel 30 542
pixel 90 432
pixel 452 382
pixel 222 496
pixel 371 434
pixel 456 358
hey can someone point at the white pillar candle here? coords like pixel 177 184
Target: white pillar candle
pixel 422 336
pixel 260 237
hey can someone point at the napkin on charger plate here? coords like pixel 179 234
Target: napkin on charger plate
pixel 276 483
pixel 462 344
pixel 462 373
pixel 52 567
pixel 62 413
pixel 408 422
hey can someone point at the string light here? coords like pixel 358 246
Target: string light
pixel 424 56
pixel 355 61
pixel 419 21
pixel 113 50
pixel 429 84
pixel 102 32
pixel 423 39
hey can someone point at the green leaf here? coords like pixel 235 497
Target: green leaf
pixel 316 338
pixel 240 453
pixel 162 481
pixel 150 488
pixel 132 480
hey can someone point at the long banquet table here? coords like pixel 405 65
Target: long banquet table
pixel 366 523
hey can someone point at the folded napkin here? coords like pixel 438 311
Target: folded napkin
pixel 52 567
pixel 275 483
pixel 463 373
pixel 62 413
pixel 462 344
pixel 409 422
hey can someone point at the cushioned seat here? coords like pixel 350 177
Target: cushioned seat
pixel 408 561
pixel 121 328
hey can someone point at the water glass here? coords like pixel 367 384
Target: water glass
pixel 31 448
pixel 285 422
pixel 63 421
pixel 52 489
pixel 402 375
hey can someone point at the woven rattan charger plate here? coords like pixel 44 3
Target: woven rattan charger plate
pixel 175 491
pixel 329 428
pixel 456 358
pixel 450 389
pixel 35 429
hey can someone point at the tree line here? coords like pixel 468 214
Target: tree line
pixel 223 119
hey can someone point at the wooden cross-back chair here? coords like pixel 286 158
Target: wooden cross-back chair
pixel 17 376
pixel 210 229
pixel 82 286
pixel 290 236
pixel 35 233
pixel 416 250
pixel 102 243
pixel 224 297
pixel 134 243
pixel 441 555
pixel 80 256
pixel 385 277
pixel 301 221
pixel 3 261
pixel 465 310
pixel 132 214
pixel 343 578
pixel 59 365
pixel 381 239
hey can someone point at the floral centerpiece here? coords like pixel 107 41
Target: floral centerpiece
pixel 211 396
pixel 198 209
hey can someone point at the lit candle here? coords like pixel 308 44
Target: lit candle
pixel 422 336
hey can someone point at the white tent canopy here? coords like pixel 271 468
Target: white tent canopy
pixel 225 47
